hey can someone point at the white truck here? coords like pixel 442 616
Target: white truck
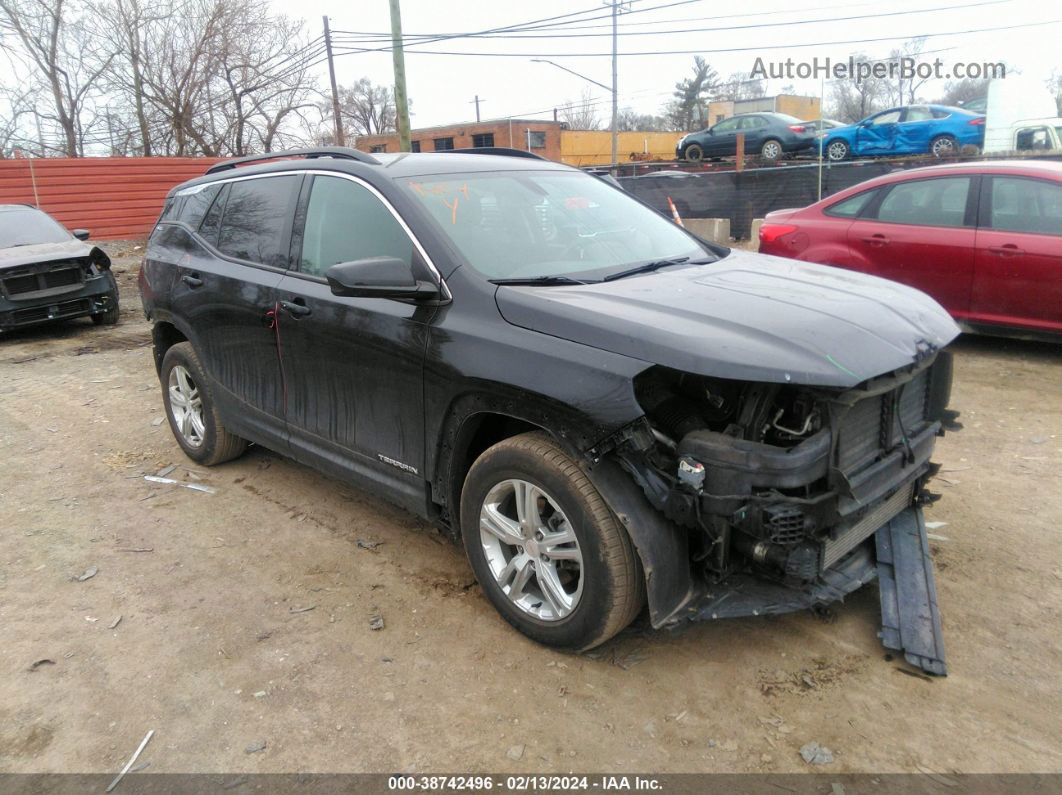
pixel 1021 116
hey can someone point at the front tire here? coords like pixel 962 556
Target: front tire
pixel 109 317
pixel 694 153
pixel 188 397
pixel 550 555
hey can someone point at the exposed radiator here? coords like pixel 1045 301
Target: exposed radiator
pixel 847 540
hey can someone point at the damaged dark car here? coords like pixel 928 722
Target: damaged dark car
pixel 48 273
pixel 608 412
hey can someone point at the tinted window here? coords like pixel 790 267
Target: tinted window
pixel 255 221
pixel 27 225
pixel 891 117
pixel 850 207
pixel 346 222
pixel 1026 205
pixel 195 205
pixel 930 202
pixel 208 230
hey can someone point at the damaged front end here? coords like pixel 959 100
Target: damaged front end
pixel 774 492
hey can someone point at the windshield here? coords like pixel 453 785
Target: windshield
pixel 25 226
pixel 528 225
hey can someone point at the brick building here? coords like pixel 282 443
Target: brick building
pixel 541 137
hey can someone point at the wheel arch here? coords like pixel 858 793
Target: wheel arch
pixel 165 334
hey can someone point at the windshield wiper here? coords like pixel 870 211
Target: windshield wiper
pixel 654 265
pixel 539 280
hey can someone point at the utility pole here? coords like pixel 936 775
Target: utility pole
pixel 615 89
pixel 476 102
pixel 401 102
pixel 332 78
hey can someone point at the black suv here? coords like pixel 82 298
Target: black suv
pixel 605 409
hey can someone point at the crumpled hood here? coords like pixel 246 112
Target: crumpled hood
pixel 748 316
pixel 42 252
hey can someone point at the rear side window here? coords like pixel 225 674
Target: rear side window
pixel 208 229
pixel 852 206
pixel 1026 205
pixel 255 221
pixel 346 222
pixel 928 202
pixel 195 205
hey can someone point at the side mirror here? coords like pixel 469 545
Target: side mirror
pixel 81 234
pixel 378 277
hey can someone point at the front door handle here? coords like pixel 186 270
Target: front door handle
pixel 296 307
pixel 877 240
pixel 192 280
pixel 1006 250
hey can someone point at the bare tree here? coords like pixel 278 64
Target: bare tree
pixel 958 92
pixel 741 85
pixel 902 90
pixel 582 114
pixel 54 38
pixel 1054 85
pixel 852 100
pixel 630 120
pixel 366 108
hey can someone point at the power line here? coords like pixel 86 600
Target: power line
pixel 756 26
pixel 714 50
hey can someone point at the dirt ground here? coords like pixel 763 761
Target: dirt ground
pixel 243 615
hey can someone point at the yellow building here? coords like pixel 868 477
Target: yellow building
pixel 594 147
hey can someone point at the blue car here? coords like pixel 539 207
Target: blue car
pixel 938 130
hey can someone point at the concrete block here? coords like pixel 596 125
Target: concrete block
pixel 754 233
pixel 715 229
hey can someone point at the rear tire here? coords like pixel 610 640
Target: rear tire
pixel 602 593
pixel 944 146
pixel 837 151
pixel 188 397
pixel 771 150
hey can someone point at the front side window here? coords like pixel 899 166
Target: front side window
pixel 345 221
pixel 1026 205
pixel 1032 138
pixel 530 224
pixel 928 202
pixel 255 219
pixel 889 117
pixel 726 126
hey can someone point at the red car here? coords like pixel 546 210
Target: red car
pixel 984 239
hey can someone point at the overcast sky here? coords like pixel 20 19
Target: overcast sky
pixel 442 87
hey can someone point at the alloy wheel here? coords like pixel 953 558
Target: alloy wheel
pixel 942 147
pixel 837 150
pixel 772 150
pixel 186 406
pixel 531 549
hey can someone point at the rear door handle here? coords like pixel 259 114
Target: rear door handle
pixel 877 240
pixel 296 307
pixel 192 280
pixel 1008 250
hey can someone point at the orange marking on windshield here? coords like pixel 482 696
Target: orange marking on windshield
pixel 453 207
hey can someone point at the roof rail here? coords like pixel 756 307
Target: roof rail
pixel 340 152
pixel 504 151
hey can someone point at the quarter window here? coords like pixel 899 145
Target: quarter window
pixel 851 207
pixel 255 222
pixel 1026 205
pixel 346 222
pixel 196 205
pixel 208 230
pixel 929 202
